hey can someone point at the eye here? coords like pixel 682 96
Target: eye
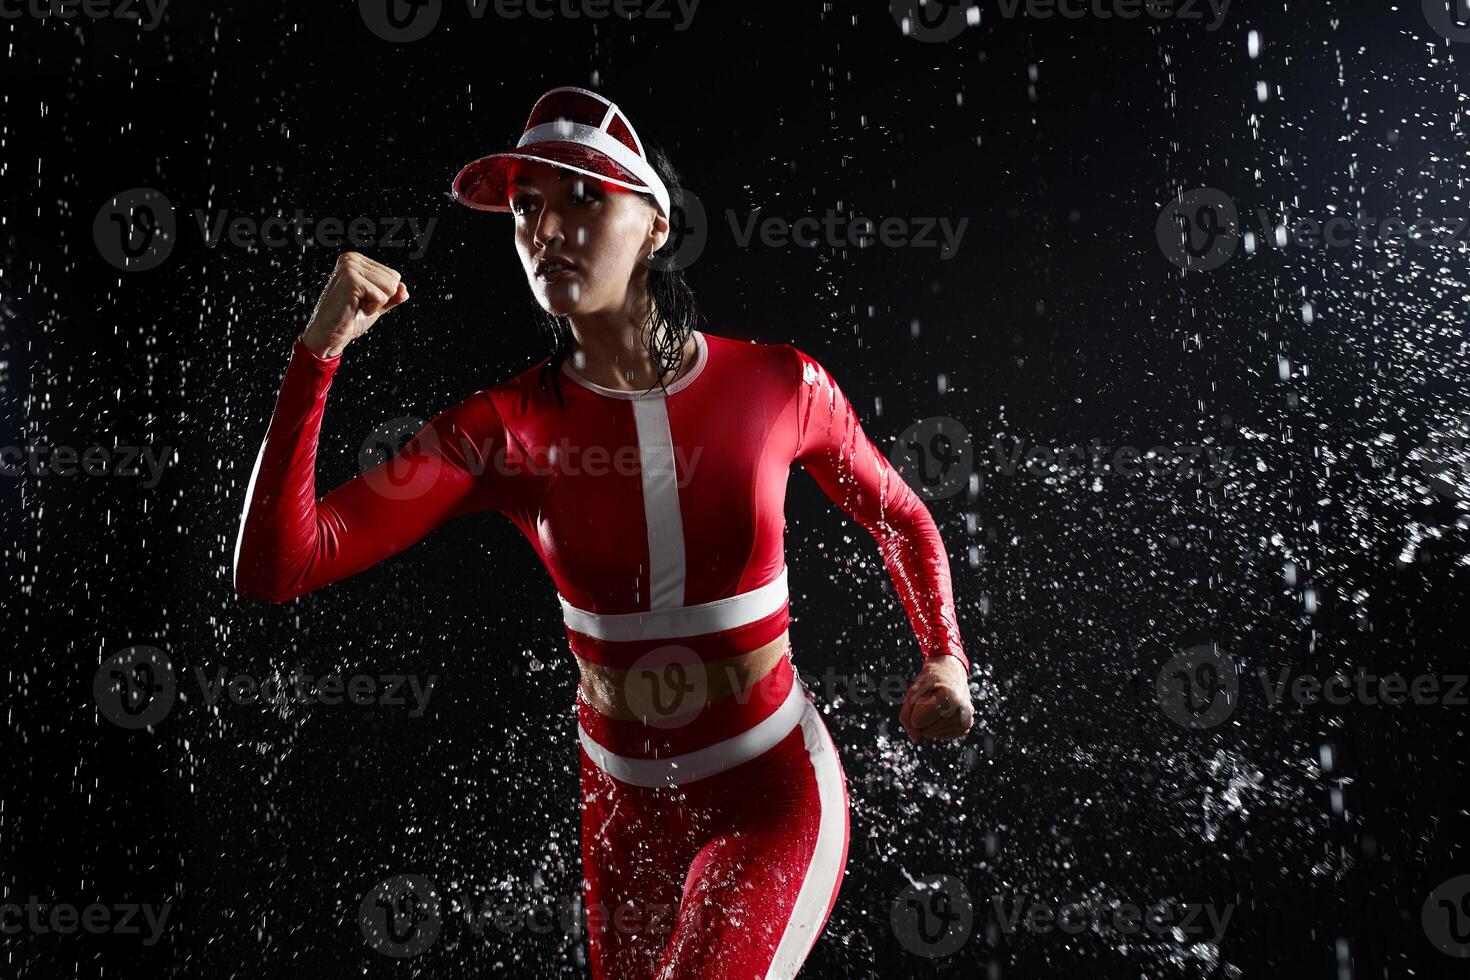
pixel 520 204
pixel 585 191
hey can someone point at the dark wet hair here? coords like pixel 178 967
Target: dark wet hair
pixel 673 301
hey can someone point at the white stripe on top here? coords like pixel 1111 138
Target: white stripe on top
pixel 667 624
pixel 660 504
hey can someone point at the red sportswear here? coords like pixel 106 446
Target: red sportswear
pixel 659 515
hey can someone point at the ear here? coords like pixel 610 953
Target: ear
pixel 658 235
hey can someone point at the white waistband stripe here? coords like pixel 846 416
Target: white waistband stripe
pixel 709 761
pixel 671 623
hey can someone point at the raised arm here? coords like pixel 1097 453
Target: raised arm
pixel 834 449
pixel 291 543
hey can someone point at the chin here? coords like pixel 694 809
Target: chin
pixel 561 298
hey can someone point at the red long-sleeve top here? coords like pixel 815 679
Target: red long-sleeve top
pixel 659 515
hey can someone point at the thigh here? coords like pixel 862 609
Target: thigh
pixel 759 891
pixel 636 845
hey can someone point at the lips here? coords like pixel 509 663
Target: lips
pixel 551 266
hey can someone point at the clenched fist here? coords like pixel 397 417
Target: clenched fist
pixel 359 292
pixel 938 704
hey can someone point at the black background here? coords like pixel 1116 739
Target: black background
pixel 1058 321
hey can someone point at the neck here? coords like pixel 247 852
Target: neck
pixel 610 348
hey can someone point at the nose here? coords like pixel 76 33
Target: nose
pixel 548 228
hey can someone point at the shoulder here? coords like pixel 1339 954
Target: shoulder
pixel 807 371
pixel 487 412
pixel 782 360
pixel 522 394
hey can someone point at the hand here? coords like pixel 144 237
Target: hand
pixel 359 292
pixel 938 704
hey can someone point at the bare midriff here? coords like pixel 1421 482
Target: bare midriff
pixel 606 688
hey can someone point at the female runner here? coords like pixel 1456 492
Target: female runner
pixel 650 479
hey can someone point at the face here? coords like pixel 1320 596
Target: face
pixel 603 230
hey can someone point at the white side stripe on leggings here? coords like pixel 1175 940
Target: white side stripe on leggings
pixel 825 867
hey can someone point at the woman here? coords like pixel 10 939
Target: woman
pixel 714 806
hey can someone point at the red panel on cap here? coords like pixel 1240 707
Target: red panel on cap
pixel 572 106
pixel 618 130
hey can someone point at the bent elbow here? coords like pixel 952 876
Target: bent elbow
pixel 262 592
pixel 252 584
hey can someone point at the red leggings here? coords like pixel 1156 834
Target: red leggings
pixel 713 848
